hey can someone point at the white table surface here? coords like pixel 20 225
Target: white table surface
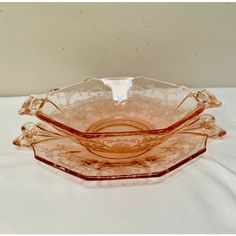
pixel 199 198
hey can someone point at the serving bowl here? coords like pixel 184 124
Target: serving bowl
pixel 119 117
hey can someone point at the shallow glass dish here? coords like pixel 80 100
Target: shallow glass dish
pixel 119 122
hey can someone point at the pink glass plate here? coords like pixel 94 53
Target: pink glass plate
pixel 53 148
pixel 74 159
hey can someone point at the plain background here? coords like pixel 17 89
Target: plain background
pixel 49 45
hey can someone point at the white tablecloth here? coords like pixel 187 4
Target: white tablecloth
pixel 198 198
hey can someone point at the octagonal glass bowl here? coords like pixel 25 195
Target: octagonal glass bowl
pixel 117 120
pixel 119 117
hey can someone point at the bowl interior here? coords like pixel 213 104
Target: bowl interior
pixel 114 105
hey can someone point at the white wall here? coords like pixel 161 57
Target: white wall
pixel 45 45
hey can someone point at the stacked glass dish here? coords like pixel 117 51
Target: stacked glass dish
pixel 119 128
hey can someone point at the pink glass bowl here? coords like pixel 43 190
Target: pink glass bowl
pixel 119 120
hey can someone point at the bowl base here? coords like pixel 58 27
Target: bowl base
pixel 119 124
pixel 121 149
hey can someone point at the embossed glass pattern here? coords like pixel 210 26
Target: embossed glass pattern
pixel 128 127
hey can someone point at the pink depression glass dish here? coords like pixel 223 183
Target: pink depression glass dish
pixel 115 128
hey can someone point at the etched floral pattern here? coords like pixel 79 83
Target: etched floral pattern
pixel 119 128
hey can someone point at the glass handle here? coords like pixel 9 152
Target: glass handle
pixel 31 105
pixel 26 138
pixel 34 133
pixel 204 125
pixel 207 98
